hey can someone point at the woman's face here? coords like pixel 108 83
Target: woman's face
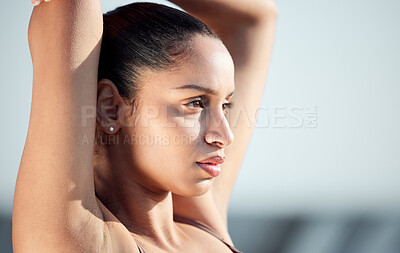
pixel 181 120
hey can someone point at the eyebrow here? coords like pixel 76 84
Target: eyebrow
pixel 200 88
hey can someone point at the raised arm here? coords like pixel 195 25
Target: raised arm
pixel 55 206
pixel 247 29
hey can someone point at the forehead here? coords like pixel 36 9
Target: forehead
pixel 209 65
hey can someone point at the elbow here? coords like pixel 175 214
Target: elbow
pixel 266 12
pixel 256 15
pixel 32 27
pixel 34 32
pixel 81 19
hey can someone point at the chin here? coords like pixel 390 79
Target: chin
pixel 195 189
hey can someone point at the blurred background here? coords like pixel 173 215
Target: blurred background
pixel 322 172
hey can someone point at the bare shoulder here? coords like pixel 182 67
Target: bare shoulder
pixel 117 238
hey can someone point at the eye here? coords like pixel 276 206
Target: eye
pixel 226 106
pixel 196 104
pixel 202 103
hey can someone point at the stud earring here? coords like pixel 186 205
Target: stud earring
pixel 111 129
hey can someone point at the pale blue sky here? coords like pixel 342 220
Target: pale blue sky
pixel 340 57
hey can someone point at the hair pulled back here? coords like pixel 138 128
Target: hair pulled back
pixel 142 36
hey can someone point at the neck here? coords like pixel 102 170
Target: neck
pixel 146 213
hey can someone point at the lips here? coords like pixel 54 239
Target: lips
pixel 213 160
pixel 211 165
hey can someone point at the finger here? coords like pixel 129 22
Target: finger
pixel 36 2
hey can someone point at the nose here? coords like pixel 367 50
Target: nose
pixel 218 132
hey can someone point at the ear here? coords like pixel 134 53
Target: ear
pixel 108 103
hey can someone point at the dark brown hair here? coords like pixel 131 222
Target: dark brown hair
pixel 142 36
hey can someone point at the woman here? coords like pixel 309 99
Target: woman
pixel 130 142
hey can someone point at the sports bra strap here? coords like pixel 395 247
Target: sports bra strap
pixel 140 247
pixel 198 224
pixel 204 227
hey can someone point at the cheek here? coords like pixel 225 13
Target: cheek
pixel 168 138
pixel 183 128
pixel 167 153
pixel 186 131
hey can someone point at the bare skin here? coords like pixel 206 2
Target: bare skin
pixel 62 204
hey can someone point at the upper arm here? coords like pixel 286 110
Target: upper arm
pixel 250 46
pixel 247 29
pixel 54 198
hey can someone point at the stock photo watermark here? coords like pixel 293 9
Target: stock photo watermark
pixel 277 116
pixel 274 117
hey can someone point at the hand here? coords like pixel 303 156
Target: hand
pixel 37 2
